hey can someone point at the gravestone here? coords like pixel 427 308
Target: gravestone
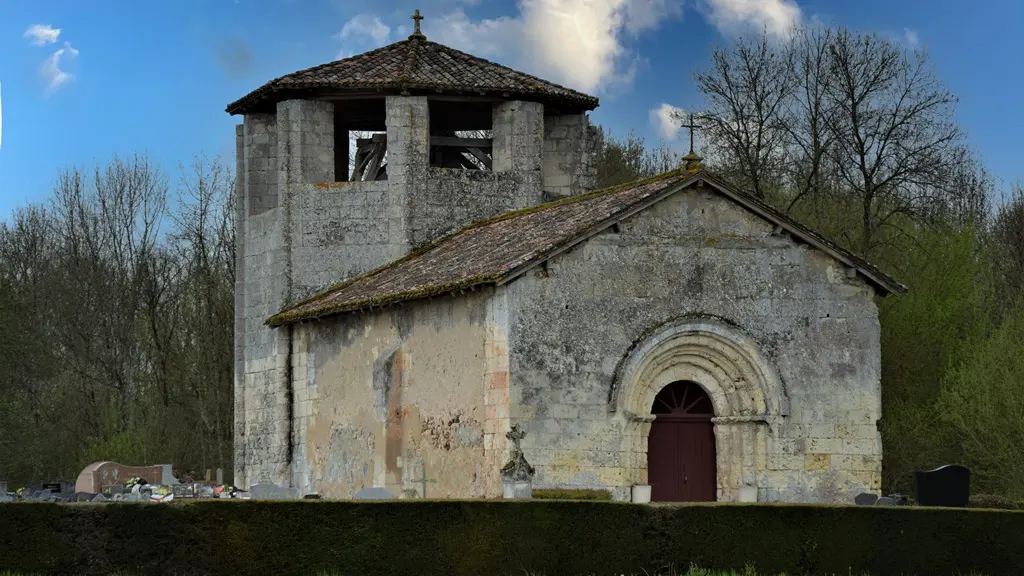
pixel 3 487
pixel 884 501
pixel 900 499
pixel 271 492
pixel 374 493
pixel 183 491
pixel 865 499
pixel 517 474
pixel 112 489
pixel 945 486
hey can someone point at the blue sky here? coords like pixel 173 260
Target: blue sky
pixel 82 80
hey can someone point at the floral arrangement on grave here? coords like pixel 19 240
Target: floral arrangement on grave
pixel 517 469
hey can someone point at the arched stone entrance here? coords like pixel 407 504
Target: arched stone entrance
pixel 681 446
pixel 747 398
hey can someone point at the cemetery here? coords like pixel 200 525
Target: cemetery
pixel 217 529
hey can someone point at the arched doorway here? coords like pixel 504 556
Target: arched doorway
pixel 681 446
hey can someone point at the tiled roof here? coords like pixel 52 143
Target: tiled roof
pixel 497 250
pixel 415 64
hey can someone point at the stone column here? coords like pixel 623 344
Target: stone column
pixel 305 143
pixel 497 392
pixel 408 125
pixel 518 146
pixel 570 143
pixel 741 446
pixel 260 136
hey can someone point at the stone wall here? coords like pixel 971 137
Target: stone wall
pixel 455 197
pixel 265 409
pixel 382 399
pixel 572 324
pixel 570 144
pixel 240 312
pixel 282 152
pixel 340 231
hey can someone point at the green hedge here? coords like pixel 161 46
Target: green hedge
pixel 993 501
pixel 455 538
pixel 571 494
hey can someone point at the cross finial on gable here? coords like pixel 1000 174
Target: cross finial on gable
pixel 692 162
pixel 692 126
pixel 416 18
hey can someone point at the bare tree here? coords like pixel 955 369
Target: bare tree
pixel 893 128
pixel 748 88
pixel 850 122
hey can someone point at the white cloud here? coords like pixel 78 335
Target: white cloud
pixel 776 17
pixel 51 70
pixel 42 34
pixel 579 43
pixel 911 38
pixel 365 27
pixel 665 121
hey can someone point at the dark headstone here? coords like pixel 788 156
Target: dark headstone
pixel 865 499
pixel 884 501
pixel 312 497
pixel 945 486
pixel 900 499
pixel 83 497
pixel 52 487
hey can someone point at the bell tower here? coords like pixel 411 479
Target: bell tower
pixel 350 165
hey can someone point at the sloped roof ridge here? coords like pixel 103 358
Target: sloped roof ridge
pixel 540 80
pixel 428 246
pixel 373 52
pixel 500 260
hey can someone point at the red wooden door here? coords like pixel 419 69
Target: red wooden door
pixel 681 447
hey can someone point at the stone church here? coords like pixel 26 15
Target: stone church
pixel 397 311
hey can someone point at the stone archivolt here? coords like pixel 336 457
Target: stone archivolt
pixel 748 396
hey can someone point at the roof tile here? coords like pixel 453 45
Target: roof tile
pixel 494 250
pixel 414 64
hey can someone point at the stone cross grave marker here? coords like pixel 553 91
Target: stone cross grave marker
pixel 517 474
pixel 945 486
pixel 372 493
pixel 423 477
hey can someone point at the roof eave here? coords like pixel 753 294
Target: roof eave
pixel 266 95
